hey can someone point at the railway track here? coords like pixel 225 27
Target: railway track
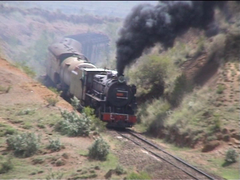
pixel 158 152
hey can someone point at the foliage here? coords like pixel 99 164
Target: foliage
pixel 6 166
pixel 231 156
pixel 191 121
pixel 5 89
pixel 220 88
pixel 54 90
pixel 181 85
pixel 152 114
pixel 26 69
pixel 5 130
pixel 216 123
pixel 99 150
pixel 150 74
pixel 75 102
pixel 73 124
pixel 53 176
pixel 26 112
pixel 52 100
pixel 97 124
pixel 141 175
pixel 25 144
pixel 119 170
pixel 54 145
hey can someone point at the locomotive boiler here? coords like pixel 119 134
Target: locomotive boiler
pixel 109 94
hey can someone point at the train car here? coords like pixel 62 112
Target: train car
pixel 107 93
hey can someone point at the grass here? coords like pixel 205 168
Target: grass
pixel 22 169
pixel 52 101
pixel 225 172
pixel 4 89
pixel 26 69
pixel 30 116
pixel 6 129
pixel 111 162
pixel 6 165
pixel 141 175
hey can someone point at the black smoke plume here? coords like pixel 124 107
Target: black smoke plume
pixel 148 24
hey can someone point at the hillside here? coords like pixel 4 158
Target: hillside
pixel 26 33
pixel 25 107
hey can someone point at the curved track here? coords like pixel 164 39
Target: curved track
pixel 191 171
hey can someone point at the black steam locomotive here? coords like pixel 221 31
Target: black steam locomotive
pixel 112 98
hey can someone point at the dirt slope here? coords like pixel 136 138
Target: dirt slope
pixel 23 89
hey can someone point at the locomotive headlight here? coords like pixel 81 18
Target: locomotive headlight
pixel 121 79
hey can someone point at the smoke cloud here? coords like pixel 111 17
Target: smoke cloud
pixel 148 24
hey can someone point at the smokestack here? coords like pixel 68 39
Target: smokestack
pixel 148 24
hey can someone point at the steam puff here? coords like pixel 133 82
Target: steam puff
pixel 148 24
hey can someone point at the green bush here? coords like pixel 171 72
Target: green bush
pixel 156 114
pixel 52 100
pixel 231 156
pixel 149 75
pixel 5 89
pixel 54 90
pixel 10 131
pixel 26 112
pixel 54 175
pixel 181 85
pixel 73 124
pixel 99 150
pixel 220 89
pixel 24 145
pixel 75 103
pixel 54 145
pixel 97 124
pixel 6 166
pixel 119 170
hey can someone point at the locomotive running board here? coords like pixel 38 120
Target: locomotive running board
pixel 96 98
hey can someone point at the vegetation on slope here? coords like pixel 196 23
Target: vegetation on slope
pixel 199 106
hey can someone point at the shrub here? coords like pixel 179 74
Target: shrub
pixel 231 156
pixel 99 150
pixel 10 131
pixel 5 89
pixel 26 112
pixel 157 113
pixel 52 100
pixel 54 90
pixel 57 175
pixel 119 170
pixel 220 89
pixel 149 75
pixel 181 85
pixel 54 145
pixel 6 166
pixel 24 145
pixel 75 102
pixel 73 124
pixel 97 124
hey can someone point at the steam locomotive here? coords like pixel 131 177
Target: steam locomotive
pixel 103 90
